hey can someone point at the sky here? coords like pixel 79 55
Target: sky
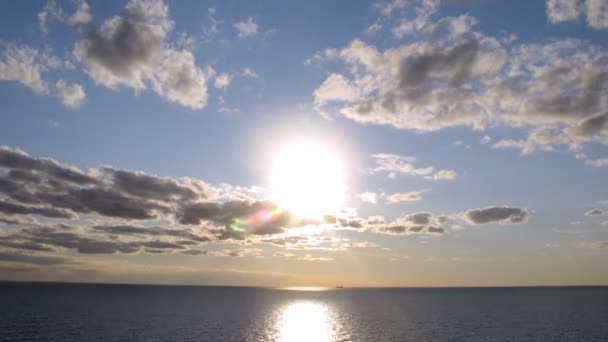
pixel 304 143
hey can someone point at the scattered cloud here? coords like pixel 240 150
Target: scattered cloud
pixel 596 11
pixel 247 28
pixel 596 212
pixel 54 12
pixel 309 257
pixel 248 72
pixel 422 223
pixel 211 26
pixel 405 196
pixel 461 143
pixel 450 74
pixel 595 244
pixel 395 164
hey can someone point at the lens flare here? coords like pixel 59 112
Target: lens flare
pixel 257 221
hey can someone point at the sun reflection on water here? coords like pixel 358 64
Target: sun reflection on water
pixel 306 321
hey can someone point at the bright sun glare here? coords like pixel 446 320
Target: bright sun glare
pixel 308 179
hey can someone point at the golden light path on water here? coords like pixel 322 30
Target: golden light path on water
pixel 306 321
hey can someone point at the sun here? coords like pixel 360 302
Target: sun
pixel 307 179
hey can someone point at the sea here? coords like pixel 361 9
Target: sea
pixel 87 312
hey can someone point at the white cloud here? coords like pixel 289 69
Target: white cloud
pixel 564 10
pixel 335 88
pixel 71 95
pixel 25 65
pixel 146 59
pixel 387 8
pixel 309 257
pixel 597 162
pixel 82 15
pixel 373 28
pixel 222 80
pixel 597 13
pixel 323 56
pixel 368 197
pixel 179 80
pixel 248 28
pixel 443 175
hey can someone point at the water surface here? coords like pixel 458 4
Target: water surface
pixel 69 312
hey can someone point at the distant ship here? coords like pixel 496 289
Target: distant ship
pixel 340 287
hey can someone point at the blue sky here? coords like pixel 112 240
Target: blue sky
pixel 471 134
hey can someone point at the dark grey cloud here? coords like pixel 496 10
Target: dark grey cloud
pixel 11 242
pixel 20 209
pixel 103 201
pixel 162 245
pixel 33 259
pixel 188 234
pixel 28 176
pixel 122 194
pixel 502 215
pixel 351 222
pixel 195 212
pixel 39 237
pixel 419 218
pixel 153 187
pixel 455 64
pixel 23 164
pixel 194 252
pixel 435 230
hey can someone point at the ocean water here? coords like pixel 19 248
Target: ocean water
pixel 68 312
